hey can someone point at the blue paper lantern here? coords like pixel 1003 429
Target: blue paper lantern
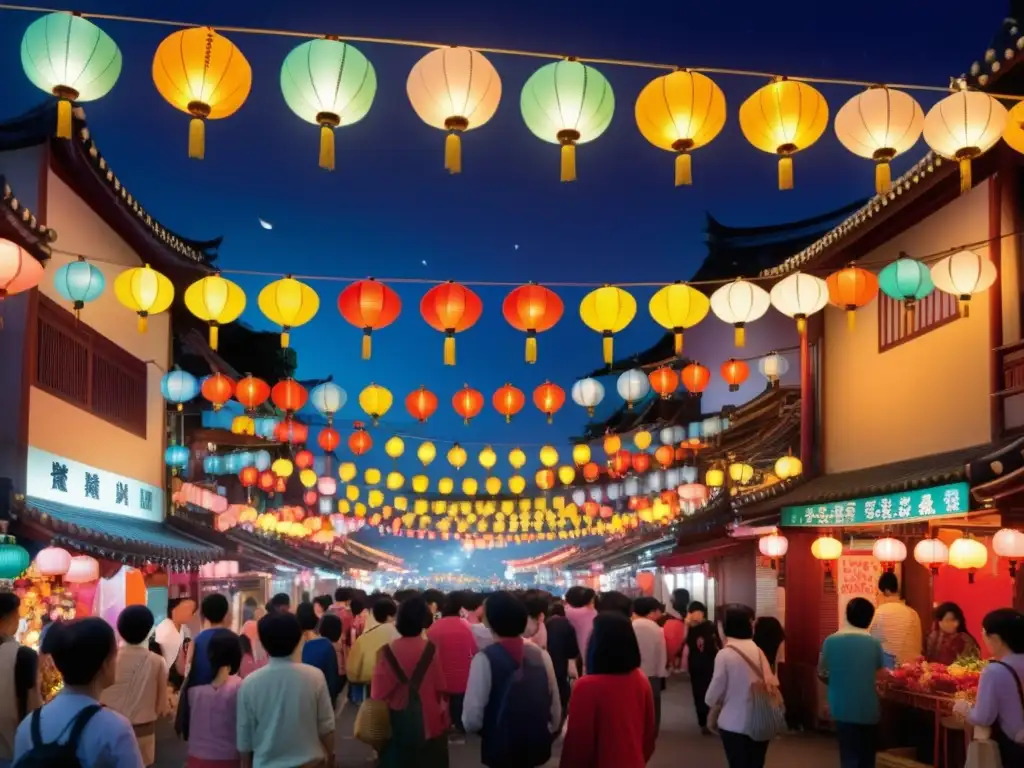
pixel 233 463
pixel 14 559
pixel 176 457
pixel 262 460
pixel 79 282
pixel 265 427
pixel 246 459
pixel 213 465
pixel 178 386
pixel 328 398
pixel 696 430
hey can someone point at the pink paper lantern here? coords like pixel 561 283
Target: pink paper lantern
pixel 53 561
pixel 82 570
pixel 19 271
pixel 327 486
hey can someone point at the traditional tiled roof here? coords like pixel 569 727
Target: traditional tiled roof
pixel 20 225
pixel 1002 54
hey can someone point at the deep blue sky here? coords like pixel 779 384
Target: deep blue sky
pixel 390 206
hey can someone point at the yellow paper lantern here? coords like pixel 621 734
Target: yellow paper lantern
pixel 470 486
pixel 487 458
pixel 401 504
pixel 517 458
pixel 288 303
pixel 714 478
pixel 346 471
pixel 964 126
pixel 677 307
pixel 517 484
pixel 344 507
pixel 376 401
pixel 144 291
pixel 420 483
pixel 741 473
pixel 375 498
pixel 445 486
pixel 394 481
pixel 548 456
pixel 968 554
pixel 282 468
pixel 1013 133
pixel 782 118
pixel 243 425
pixel 607 310
pixel 352 492
pixel 426 452
pixel 580 454
pixel 457 456
pixel 827 548
pixel 372 476
pixel 787 467
pixel 308 478
pixel 566 475
pixel 493 485
pixel 215 301
pixel 963 274
pixel 394 447
pixel 642 440
pixel 203 74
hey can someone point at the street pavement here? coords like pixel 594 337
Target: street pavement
pixel 680 744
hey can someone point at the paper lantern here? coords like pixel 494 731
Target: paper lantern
pixel 581 454
pixel 787 467
pixel 567 103
pixel 470 486
pixel 507 400
pixel 426 453
pixel 288 395
pixel 420 483
pixel 588 393
pixel 375 401
pixel 714 478
pixel 516 458
pixel 370 306
pixel 695 378
pixel 143 290
pixel 532 309
pixel 549 399
pixel 77 281
pixel 328 398
pixel 622 462
pixel 204 75
pixel 487 458
pixel 851 288
pixel 908 281
pixel 611 445
pixel 82 570
pixel 178 387
pixel 1009 543
pixel 53 562
pixel 607 310
pixel 251 392
pixel 545 479
pixel 665 456
pixel 566 475
pixel 307 477
pixel 372 476
pixel 346 471
pixel 328 439
pixel 516 484
pixel 642 440
pixel 633 386
pixel 964 274
pixel 641 462
pixel 359 442
pixel 267 481
pixel 677 307
pixel 799 296
pixel 282 468
pixel 330 84
pixel 964 126
pixel 493 485
pixel 249 476
pixel 782 118
pixel 291 431
pixel 68 56
pixel 879 124
pixel 215 301
pixel 548 456
pixel 450 308
pixel 445 486
pixel 468 402
pixel 827 548
pixel 261 460
pixel 738 303
pixel 968 554
pixel 304 459
pixel 289 304
pixel 591 472
pixel 681 112
pixel 218 389
pixel 889 551
pixel 14 559
pixel 773 547
pixel 735 372
pixel 454 89
pixel 176 457
pixel 773 367
pixel 394 447
pixel 740 473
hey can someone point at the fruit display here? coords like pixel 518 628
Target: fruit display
pixel 959 680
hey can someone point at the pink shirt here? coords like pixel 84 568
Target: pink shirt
pixel 582 620
pixel 385 685
pixel 212 729
pixel 456 647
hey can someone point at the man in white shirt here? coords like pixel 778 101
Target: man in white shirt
pixel 653 651
pixel 897 626
pixel 171 633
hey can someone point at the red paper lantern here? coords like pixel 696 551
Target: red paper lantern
pixel 532 309
pixel 695 378
pixel 682 452
pixel 665 456
pixel 664 381
pixel 249 476
pixel 549 398
pixel 591 508
pixel 304 459
pixel 359 442
pixel 291 431
pixel 468 402
pixel 371 306
pixel 251 392
pixel 606 512
pixel 545 479
pixel 310 498
pixel 735 372
pixel 591 472
pixel 508 401
pixel 329 439
pixel 450 308
pixel 267 480
pixel 288 395
pixel 421 404
pixel 622 461
pixel 218 389
pixel 641 462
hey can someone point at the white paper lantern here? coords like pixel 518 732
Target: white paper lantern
pixel 799 296
pixel 964 126
pixel 633 386
pixel 711 426
pixel 773 367
pixel 579 497
pixel 889 551
pixel 931 553
pixel 82 570
pixel 774 546
pixel 964 274
pixel 672 435
pixel 612 492
pixel 326 486
pixel 738 303
pixel 631 487
pixel 53 561
pixel 1009 543
pixel 588 393
pixel 688 474
pixel 596 494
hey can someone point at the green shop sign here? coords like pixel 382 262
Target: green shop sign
pixel 906 507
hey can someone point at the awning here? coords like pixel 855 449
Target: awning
pixel 698 554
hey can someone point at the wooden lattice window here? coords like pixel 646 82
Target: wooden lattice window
pixel 896 325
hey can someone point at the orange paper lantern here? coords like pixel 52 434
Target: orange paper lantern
pixel 591 472
pixel 532 309
pixel 267 481
pixel 371 306
pixel 450 308
pixel 695 378
pixel 545 479
pixel 249 476
pixel 664 381
pixel 851 288
pixel 359 442
pixel 641 462
pixel 291 431
pixel 304 459
pixel 612 445
pixel 329 439
pixel 665 456
pixel 288 395
pixel 549 398
pixel 251 392
pixel 421 404
pixel 508 401
pixel 468 402
pixel 735 372
pixel 218 389
pixel 622 461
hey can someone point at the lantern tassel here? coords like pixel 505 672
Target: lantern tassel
pixel 740 336
pixel 965 175
pixel 851 319
pixel 214 337
pixel 608 348
pixel 965 306
pixel 453 153
pixel 684 170
pixel 678 346
pixel 326 147
pixel 883 178
pixel 531 347
pixel 143 323
pixel 367 349
pixel 63 119
pixel 801 325
pixel 551 418
pixel 908 318
pixel 285 338
pixel 785 172
pixel 568 162
pixel 449 349
pixel 196 139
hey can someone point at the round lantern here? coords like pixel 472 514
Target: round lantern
pixel 931 553
pixel 450 308
pixel 681 112
pixel 249 476
pixel 665 456
pixel 695 378
pixel 612 444
pixel 740 473
pixel 773 547
pixel 735 372
pixel 517 458
pixel 799 296
pixel 53 562
pixel 288 395
pixel 304 459
pixel 889 551
pixel 908 281
pixel 143 290
pixel 204 75
pixel 548 456
pixel 672 435
pixel 216 301
pixel 487 458
pixel 218 389
pixel 369 306
pixel 371 476
pixel 549 398
pixel 178 386
pixel 308 478
pixel 394 481
pixel 394 447
pixel 457 456
pixel 78 281
pixel 267 481
pixel 426 453
pixel 588 393
pixel 508 401
pixel 566 475
pixel 851 288
pixel 621 462
pixel 714 478
pixel 347 471
pixel 567 103
pixel 545 479
pixel 328 398
pixel 664 381
pixel 330 84
pixel 420 483
pixel 607 310
pixel 968 554
pixel 288 303
pixel 421 404
pixel 445 486
pixel 261 460
pixel 1009 543
pixel 591 472
pixel 677 307
pixel 359 442
pixel 642 440
pixel 641 462
pixel 738 303
pixel 879 124
pixel 773 367
pixel 282 468
pixel 964 126
pixel 291 431
pixel 516 484
pixel 251 392
pixel 532 309
pixel 827 549
pixel 963 274
pixel 783 118
pixel 470 486
pixel 580 454
pixel 176 457
pixel 82 570
pixel 375 401
pixel 468 402
pixel 493 485
pixel 788 467
pixel 633 386
pixel 309 498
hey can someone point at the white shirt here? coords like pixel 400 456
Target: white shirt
pixel 653 651
pixel 483 635
pixel 898 627
pixel 170 639
pixel 478 688
pixel 730 684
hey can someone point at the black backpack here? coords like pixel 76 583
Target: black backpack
pixel 56 754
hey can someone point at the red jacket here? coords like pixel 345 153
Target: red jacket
pixel 456 645
pixel 611 722
pixel 675 640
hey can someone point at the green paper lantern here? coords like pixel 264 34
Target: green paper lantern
pixel 567 103
pixel 71 58
pixel 906 280
pixel 328 83
pixel 14 559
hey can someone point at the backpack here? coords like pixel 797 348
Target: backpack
pixel 519 734
pixel 54 754
pixel 407 731
pixel 766 713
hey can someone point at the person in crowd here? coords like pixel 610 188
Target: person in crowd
pixel 363 659
pixel 85 652
pixel 249 663
pixel 139 691
pixel 850 662
pixel 212 730
pixel 19 668
pixel 318 651
pixel 405 594
pixel 214 611
pixel 329 629
pixel 730 686
pixel 563 650
pixel 280 603
pixel 896 625
pixel 611 713
pixel 409 668
pixel 769 635
pixel 434 598
pixel 456 647
pixel 536 605
pixel 322 604
pixel 359 617
pixel 473 605
pixel 674 623
pixel 1000 702
pixel 580 610
pixel 949 638
pixel 615 601
pixel 171 634
pixel 702 646
pixel 342 608
pixel 512 696
pixel 653 651
pixel 285 714
pixel 251 633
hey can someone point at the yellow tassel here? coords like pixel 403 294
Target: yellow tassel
pixel 449 350
pixel 63 119
pixel 608 347
pixel 785 172
pixel 196 139
pixel 327 147
pixel 285 339
pixel 453 153
pixel 531 349
pixel 143 323
pixel 965 307
pixel 965 175
pixel 551 418
pixel 684 171
pixel 508 418
pixel 214 337
pixel 883 178
pixel 367 346
pixel 851 319
pixel 801 325
pixel 568 162
pixel 740 336
pixel 180 407
pixel 678 343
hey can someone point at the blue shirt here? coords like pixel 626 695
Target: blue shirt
pixel 319 653
pixel 108 740
pixel 850 660
pixel 202 673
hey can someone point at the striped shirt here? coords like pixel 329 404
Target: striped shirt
pixel 898 627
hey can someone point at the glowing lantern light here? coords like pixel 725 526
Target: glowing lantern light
pixel 516 458
pixel 347 471
pixel 1009 543
pixel 740 473
pixel 773 547
pixel 267 481
pixel 545 479
pixel 176 457
pixel 827 549
pixel 665 456
pixel 642 440
pixel 144 291
pixel 588 393
pixel 516 484
pixel 963 274
pixel 612 444
pixel 567 103
pixel 677 307
pixel 376 401
pixel 53 562
pixel 968 554
pixel 445 486
pixel 420 483
pixel 328 398
pixel 216 301
pixel 581 454
pixel 493 485
pixel 394 481
pixel 532 309
pixel 291 431
pixel 394 447
pixel 249 476
pixel 633 386
pixel 851 288
pixel 695 378
pixel 566 475
pixel 288 395
pixel 82 570
pixel 487 458
pixel 450 308
pixel 457 456
pixel 178 386
pixel 78 281
pixel 783 118
pixel 507 400
pixel 908 281
pixel 591 472
pixel 218 389
pixel 738 303
pixel 470 486
pixel 549 398
pixel 282 468
pixel 607 310
pixel 548 456
pixel 714 478
pixel 799 296
pixel 359 442
pixel 641 462
pixel 773 367
pixel 421 404
pixel 203 74
pixel 369 305
pixel 788 467
pixel 468 402
pixel 735 372
pixel 664 381
pixel 621 462
pixel 426 453
pixel 309 498
pixel 308 478
pixel 372 476
pixel 251 392
pixel 304 459
pixel 330 84
pixel 964 126
pixel 288 303
pixel 931 553
pixel 889 551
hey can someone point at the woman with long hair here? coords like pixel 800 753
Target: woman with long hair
pixel 949 638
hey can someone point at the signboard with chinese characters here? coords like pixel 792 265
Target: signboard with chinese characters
pixel 55 478
pixel 857 575
pixel 905 507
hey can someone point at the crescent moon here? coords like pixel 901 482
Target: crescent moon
pixel 265 224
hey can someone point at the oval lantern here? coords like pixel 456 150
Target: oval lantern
pixel 580 454
pixel 827 549
pixel 468 403
pixel 291 431
pixel 507 400
pixel 773 367
pixel 376 401
pixel 394 447
pixel 588 393
pixel 359 442
pixel 426 453
pixel 611 445
pixel 450 308
pixel 330 84
pixel 889 551
pixel 282 468
pixel 176 457
pixel 641 462
pixel 665 456
pixel 968 554
pixel 216 301
pixel 421 404
pixel 53 562
pixel 545 479
pixel 144 291
pixel 633 386
pixel 931 553
pixel 178 387
pixel 799 296
pixel 454 89
pixel 487 458
pixel 82 570
pixel 304 459
pixel 204 75
pixel 964 126
pixel 680 112
pixel 251 392
pixel 591 472
pixel 783 118
pixel 908 281
pixel 370 306
pixel 738 303
pixel 741 473
pixel 664 381
pixel 328 398
pixel 773 547
pixel 517 458
pixel 567 103
pixel 328 439
pixel 695 378
pixel 288 395
pixel 1008 543
pixel 77 281
pixel 457 456
pixel 607 310
pixel 851 288
pixel 218 389
pixel 677 307
pixel 548 456
pixel 787 467
pixel 735 372
pixel 288 303
pixel 964 274
pixel 549 398
pixel 532 309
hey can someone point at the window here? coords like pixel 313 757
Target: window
pixel 896 325
pixel 84 368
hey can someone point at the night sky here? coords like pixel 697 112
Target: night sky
pixel 391 211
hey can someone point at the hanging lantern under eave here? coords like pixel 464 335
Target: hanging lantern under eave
pixel 741 473
pixel 144 291
pixel 964 274
pixel 799 296
pixel 507 400
pixel 788 467
pixel 907 281
pixel 1008 543
pixel 370 306
pixel 773 546
pixel 827 549
pixel 735 372
pixel 851 288
pixel 216 301
pixel 450 308
pixel 889 551
pixel 677 307
pixel 288 303
pixel 964 126
pixel 931 553
pixel 739 303
pixel 714 478
pixel 588 393
pixel 968 554
pixel 532 309
pixel 607 310
pixel 77 281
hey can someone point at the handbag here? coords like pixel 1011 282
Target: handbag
pixel 766 713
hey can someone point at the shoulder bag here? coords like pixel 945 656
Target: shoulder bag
pixel 766 713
